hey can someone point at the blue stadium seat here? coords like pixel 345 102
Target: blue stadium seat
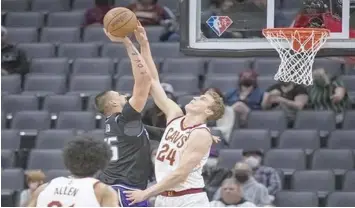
pixel 191 66
pixel 10 139
pixel 12 179
pixel 267 67
pixel 24 19
pixel 320 181
pixel 82 84
pixel 58 66
pixel 53 159
pixel 288 160
pixel 7 158
pixel 228 158
pixel 58 103
pixel 22 35
pixel 83 4
pixel 93 66
pixel 54 138
pixel 229 66
pixel 11 84
pixel 272 120
pixel 342 139
pixel 341 199
pixel 38 50
pixel 49 5
pixel 15 103
pixel 307 140
pixel 95 34
pixel 14 5
pixel 154 33
pixel 250 139
pixel 76 120
pixel 124 84
pixel 320 120
pixel 165 50
pixel 296 199
pixel 31 120
pixel 225 82
pixel 183 84
pixel 78 50
pixel 60 34
pixel 44 84
pixel 337 159
pixel 55 173
pixel 114 51
pixel 349 120
pixel 65 19
pixel 349 181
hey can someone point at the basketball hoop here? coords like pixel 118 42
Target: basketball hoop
pixel 297 48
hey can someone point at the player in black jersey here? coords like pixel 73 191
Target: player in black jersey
pixel 130 166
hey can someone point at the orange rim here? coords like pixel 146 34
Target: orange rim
pixel 302 35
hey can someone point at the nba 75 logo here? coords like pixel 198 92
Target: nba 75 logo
pixel 219 24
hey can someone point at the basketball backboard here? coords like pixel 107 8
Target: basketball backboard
pixel 239 33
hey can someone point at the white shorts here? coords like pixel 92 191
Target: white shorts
pixel 188 200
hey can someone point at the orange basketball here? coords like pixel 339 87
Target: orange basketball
pixel 120 22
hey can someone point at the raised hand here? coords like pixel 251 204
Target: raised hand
pixel 115 39
pixel 141 35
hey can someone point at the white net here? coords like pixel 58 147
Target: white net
pixel 297 50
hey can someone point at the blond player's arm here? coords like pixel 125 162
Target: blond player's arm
pixel 106 195
pixel 142 78
pixel 199 143
pixel 33 201
pixel 165 104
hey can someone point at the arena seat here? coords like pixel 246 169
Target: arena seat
pixel 10 139
pixel 12 179
pixel 78 50
pixel 38 50
pixel 272 120
pixel 53 159
pixel 349 181
pixel 337 159
pixel 307 140
pixel 349 120
pixel 22 35
pixel 54 173
pixel 56 66
pixel 341 199
pixel 15 103
pixel 183 84
pixel 60 35
pixel 224 82
pixel 76 120
pixel 266 67
pixel 165 50
pixel 288 160
pixel 93 66
pixel 58 103
pixel 54 138
pixel 95 34
pixel 320 120
pixel 154 33
pixel 31 120
pixel 14 5
pixel 342 139
pixel 231 67
pixel 11 84
pixel 296 199
pixel 24 19
pixel 44 84
pixel 8 197
pixel 7 158
pixel 113 51
pixel 250 139
pixel 49 5
pixel 83 4
pixel 65 19
pixel 84 84
pixel 228 157
pixel 190 66
pixel 124 83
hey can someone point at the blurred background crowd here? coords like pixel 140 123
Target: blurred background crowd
pixel 282 144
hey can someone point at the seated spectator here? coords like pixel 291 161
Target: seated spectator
pixel 13 59
pixel 328 93
pixel 226 123
pixel 252 190
pixel 96 15
pixel 247 96
pixel 267 176
pixel 287 96
pixel 149 12
pixel 34 178
pixel 231 195
pixel 154 116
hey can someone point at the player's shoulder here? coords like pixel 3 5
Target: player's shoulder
pixel 202 133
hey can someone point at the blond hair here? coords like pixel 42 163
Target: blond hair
pixel 217 107
pixel 35 176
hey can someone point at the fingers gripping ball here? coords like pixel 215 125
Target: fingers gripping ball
pixel 120 22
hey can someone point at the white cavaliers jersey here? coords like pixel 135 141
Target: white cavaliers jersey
pixel 69 192
pixel 170 151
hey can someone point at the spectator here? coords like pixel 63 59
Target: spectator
pixel 231 195
pixel 96 15
pixel 34 178
pixel 253 191
pixel 13 60
pixel 226 123
pixel 287 96
pixel 149 12
pixel 328 93
pixel 154 116
pixel 267 176
pixel 247 96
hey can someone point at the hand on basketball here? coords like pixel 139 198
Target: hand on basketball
pixel 124 40
pixel 135 196
pixel 141 35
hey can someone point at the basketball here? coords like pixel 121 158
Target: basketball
pixel 120 22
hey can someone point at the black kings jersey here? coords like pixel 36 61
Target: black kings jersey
pixel 131 161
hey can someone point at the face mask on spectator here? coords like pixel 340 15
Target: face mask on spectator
pixel 247 82
pixel 241 176
pixel 253 162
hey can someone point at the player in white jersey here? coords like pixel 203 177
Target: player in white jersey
pixel 184 147
pixel 83 157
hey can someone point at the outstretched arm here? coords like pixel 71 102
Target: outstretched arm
pixel 198 146
pixel 142 78
pixel 169 107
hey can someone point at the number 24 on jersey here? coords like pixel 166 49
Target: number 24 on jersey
pixel 167 153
